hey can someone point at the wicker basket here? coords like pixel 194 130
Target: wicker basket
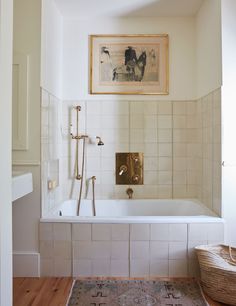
pixel 218 272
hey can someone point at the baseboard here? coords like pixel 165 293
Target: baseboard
pixel 26 264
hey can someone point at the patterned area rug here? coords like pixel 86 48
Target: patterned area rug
pixel 136 292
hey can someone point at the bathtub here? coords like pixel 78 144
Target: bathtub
pixel 137 211
pixel 127 238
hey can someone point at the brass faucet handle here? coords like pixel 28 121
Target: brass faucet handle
pixel 123 169
pixel 135 178
pixel 135 158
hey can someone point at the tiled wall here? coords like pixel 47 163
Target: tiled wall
pixel 127 250
pixel 166 132
pixel 210 191
pixel 51 147
pixel 181 142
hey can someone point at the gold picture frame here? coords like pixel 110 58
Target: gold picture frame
pixel 129 64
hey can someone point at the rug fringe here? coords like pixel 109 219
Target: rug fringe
pixel 72 286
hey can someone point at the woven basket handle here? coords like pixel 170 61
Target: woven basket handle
pixel 231 256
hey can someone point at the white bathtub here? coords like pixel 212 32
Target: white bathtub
pixel 133 211
pixel 127 238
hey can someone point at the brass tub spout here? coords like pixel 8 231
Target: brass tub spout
pixel 130 192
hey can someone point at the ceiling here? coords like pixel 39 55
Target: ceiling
pixel 86 9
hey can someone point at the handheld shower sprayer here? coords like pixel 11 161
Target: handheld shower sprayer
pixel 95 139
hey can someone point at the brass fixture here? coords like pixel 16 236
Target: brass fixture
pixel 78 175
pixel 135 178
pixel 93 178
pixel 100 142
pixel 123 169
pixel 130 192
pixel 129 168
pixel 78 137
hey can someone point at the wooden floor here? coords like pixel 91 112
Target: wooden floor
pixel 47 292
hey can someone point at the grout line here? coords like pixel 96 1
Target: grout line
pixel 149 264
pixel 168 257
pixel 72 253
pixel 212 148
pixel 201 112
pixel 187 250
pixel 129 253
pixel 172 136
pixel 157 156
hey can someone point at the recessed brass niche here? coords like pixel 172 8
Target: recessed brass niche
pixel 129 168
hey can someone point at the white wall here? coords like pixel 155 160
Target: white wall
pixel 51 49
pixel 6 25
pixel 26 211
pixel 182 53
pixel 228 117
pixel 208 46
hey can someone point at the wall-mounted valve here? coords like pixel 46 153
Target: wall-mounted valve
pixel 129 168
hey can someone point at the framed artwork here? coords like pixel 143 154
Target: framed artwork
pixel 129 64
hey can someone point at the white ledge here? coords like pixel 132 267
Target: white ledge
pixel 22 184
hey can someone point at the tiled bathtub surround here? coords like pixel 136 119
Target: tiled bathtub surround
pixel 180 141
pixel 125 250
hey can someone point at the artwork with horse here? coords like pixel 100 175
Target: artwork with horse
pixel 132 70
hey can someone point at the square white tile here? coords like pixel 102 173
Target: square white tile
pixel 82 268
pixel 46 249
pixel 119 268
pixel 178 250
pixel 164 121
pixel 198 231
pixel 216 232
pixel 159 268
pixel 101 249
pixel 178 232
pixel 81 232
pixel 137 107
pixel 165 149
pixel 82 249
pixel 164 108
pixel 139 268
pixel 120 232
pixel 46 267
pixel 160 232
pixel 120 250
pixel 62 231
pixel 136 121
pixel 62 249
pixel 101 231
pixel 62 267
pixel 101 267
pixel 45 231
pixel 178 268
pixel 159 250
pixel 139 249
pixel 150 108
pixel 139 232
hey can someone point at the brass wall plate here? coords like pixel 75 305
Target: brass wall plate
pixel 129 168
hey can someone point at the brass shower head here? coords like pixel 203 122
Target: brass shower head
pixel 100 142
